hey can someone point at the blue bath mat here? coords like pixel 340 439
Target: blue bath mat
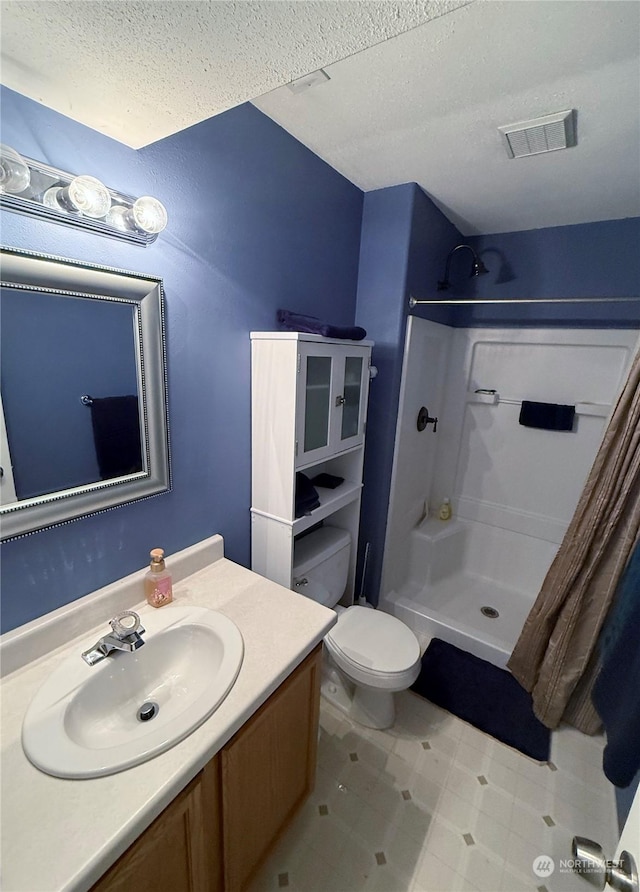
pixel 483 695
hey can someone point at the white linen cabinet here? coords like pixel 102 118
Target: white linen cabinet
pixel 308 413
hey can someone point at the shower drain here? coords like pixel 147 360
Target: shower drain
pixel 491 612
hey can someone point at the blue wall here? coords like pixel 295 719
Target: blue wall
pixel 256 222
pixel 586 260
pixel 404 235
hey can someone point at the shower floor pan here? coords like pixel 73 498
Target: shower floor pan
pixel 452 610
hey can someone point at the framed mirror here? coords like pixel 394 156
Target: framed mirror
pixel 83 411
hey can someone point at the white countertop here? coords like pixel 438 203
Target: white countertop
pixel 63 834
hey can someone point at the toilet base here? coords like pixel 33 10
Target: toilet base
pixel 336 688
pixel 373 708
pixel 370 707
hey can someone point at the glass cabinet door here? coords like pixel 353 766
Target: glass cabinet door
pixel 351 397
pixel 315 399
pixel 331 401
pixel 317 402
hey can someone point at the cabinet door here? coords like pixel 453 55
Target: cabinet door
pixel 268 770
pixel 316 394
pixel 331 400
pixel 352 399
pixel 181 850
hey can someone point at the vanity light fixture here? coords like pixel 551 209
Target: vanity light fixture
pixel 32 187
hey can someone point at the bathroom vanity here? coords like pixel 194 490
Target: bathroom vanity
pixel 203 814
pixel 217 831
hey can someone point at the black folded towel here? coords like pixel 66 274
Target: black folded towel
pixel 296 322
pixel 306 498
pixel 616 693
pixel 547 416
pixel 116 434
pixel 330 481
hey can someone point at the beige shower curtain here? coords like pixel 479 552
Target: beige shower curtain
pixel 555 657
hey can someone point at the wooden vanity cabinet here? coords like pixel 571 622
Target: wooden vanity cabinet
pixel 220 828
pixel 180 851
pixel 268 770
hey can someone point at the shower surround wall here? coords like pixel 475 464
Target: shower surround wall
pixel 513 488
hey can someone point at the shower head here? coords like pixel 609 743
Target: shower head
pixel 478 268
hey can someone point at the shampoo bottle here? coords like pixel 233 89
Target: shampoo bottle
pixel 444 512
pixel 158 589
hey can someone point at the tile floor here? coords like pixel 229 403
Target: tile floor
pixel 434 805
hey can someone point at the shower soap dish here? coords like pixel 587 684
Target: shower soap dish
pixel 489 397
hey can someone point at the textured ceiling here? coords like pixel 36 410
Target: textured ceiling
pixel 416 94
pixel 140 71
pixel 424 107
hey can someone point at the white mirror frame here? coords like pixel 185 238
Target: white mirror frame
pixel 26 271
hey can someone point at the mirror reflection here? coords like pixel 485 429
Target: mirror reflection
pixel 69 392
pixel 83 416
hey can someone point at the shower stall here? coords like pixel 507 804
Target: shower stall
pixel 471 580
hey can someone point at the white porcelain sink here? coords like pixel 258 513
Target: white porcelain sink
pixel 83 722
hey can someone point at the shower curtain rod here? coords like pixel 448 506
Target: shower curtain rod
pixel 414 302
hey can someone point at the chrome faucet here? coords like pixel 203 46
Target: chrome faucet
pixel 126 634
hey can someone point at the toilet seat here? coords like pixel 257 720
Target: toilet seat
pixel 374 649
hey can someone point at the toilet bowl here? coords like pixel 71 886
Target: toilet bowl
pixel 368 655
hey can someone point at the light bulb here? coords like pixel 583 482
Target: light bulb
pixel 51 198
pixel 89 196
pixel 118 217
pixel 149 214
pixel 55 198
pixel 15 175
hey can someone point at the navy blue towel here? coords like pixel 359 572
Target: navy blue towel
pixel 306 498
pixel 116 435
pixel 295 322
pixel 616 693
pixel 547 416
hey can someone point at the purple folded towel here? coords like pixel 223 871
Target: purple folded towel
pixel 295 322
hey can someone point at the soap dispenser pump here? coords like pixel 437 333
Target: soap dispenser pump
pixel 158 587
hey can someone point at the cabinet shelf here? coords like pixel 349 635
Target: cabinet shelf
pixel 318 462
pixel 330 500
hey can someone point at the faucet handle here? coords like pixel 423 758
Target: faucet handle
pixel 125 624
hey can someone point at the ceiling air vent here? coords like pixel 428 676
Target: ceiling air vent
pixel 545 134
pixel 309 80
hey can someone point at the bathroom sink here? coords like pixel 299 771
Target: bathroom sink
pixel 89 721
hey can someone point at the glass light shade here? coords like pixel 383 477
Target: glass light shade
pixel 149 214
pixel 15 175
pixel 89 196
pixel 118 217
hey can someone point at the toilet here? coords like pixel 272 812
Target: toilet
pixel 368 655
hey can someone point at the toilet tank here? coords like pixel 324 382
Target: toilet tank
pixel 322 558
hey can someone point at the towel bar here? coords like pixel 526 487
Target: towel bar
pixel 492 398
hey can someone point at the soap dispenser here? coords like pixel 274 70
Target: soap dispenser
pixel 158 588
